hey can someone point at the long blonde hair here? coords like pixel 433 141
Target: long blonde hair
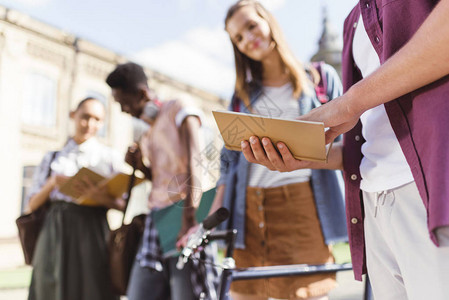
pixel 248 70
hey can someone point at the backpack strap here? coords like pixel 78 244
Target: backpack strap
pixel 53 156
pixel 235 103
pixel 321 87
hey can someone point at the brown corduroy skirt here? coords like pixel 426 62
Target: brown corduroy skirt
pixel 282 228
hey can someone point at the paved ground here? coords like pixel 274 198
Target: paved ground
pixel 349 289
pixel 11 264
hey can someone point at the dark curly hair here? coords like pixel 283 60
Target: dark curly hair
pixel 127 77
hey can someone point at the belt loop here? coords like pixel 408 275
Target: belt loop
pixel 286 192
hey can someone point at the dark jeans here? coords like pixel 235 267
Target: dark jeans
pixel 170 284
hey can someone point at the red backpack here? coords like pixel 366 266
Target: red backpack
pixel 321 87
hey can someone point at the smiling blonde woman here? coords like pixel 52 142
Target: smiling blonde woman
pixel 281 218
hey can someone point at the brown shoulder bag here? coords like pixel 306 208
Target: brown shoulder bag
pixel 123 244
pixel 29 225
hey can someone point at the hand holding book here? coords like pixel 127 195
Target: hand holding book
pixel 279 157
pixel 98 192
pixel 92 189
pixel 304 139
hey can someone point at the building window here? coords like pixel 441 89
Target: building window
pixel 27 182
pixel 39 102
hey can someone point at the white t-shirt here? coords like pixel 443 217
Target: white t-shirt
pixel 277 102
pixel 383 166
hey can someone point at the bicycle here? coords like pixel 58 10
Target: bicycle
pixel 231 273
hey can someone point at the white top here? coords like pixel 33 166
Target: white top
pixel 71 158
pixel 276 102
pixel 383 166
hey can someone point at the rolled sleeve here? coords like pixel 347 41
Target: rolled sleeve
pixel 186 112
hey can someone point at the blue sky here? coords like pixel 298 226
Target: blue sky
pixel 184 39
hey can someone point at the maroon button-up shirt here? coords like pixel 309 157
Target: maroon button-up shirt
pixel 419 119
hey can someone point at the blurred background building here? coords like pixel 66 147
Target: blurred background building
pixel 44 73
pixel 329 45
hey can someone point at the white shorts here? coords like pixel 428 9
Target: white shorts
pixel 402 261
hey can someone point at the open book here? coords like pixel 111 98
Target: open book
pixel 304 139
pixel 117 185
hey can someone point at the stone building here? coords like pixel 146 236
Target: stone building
pixel 44 73
pixel 330 45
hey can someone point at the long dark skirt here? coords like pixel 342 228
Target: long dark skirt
pixel 70 261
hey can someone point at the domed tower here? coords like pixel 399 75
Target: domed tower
pixel 330 45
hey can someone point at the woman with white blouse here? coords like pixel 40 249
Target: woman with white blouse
pixel 70 259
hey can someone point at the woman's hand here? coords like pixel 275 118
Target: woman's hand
pixel 266 154
pixel 98 193
pixel 282 159
pixel 57 181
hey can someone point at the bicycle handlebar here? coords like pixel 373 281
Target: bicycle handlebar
pixel 216 218
pixel 197 238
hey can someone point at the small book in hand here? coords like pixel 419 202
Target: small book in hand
pixel 304 139
pixel 117 185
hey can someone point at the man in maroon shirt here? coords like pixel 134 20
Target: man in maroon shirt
pixel 398 229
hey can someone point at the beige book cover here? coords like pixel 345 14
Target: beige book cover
pixel 305 139
pixel 117 185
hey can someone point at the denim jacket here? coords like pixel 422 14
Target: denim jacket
pixel 327 185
